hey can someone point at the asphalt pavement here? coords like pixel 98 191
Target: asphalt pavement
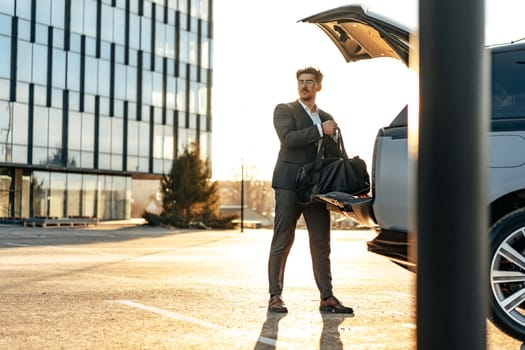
pixel 123 285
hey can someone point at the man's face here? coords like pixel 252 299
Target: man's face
pixel 307 87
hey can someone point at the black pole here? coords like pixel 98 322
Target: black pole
pixel 451 198
pixel 242 195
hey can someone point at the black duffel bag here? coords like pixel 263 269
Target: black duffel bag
pixel 332 174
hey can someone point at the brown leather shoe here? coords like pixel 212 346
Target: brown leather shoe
pixel 332 305
pixel 276 304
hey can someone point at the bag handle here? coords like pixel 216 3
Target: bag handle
pixel 321 149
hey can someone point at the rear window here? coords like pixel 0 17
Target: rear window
pixel 508 85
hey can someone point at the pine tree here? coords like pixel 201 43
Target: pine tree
pixel 190 199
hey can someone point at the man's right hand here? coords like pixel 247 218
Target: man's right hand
pixel 329 127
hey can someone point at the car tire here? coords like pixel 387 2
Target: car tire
pixel 507 274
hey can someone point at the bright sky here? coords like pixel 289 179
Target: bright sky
pixel 258 47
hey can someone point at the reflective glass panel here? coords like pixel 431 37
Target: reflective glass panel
pixel 120 81
pixel 89 188
pixel 74 131
pixel 133 137
pixel 43 11
pixel 23 8
pixel 134 31
pixel 73 71
pixel 103 78
pixel 59 68
pixel 20 124
pixel 145 34
pixel 119 26
pixel 74 190
pixel 23 71
pixel 116 136
pixel 40 118
pixel 77 16
pixel 57 14
pixel 40 184
pixel 104 140
pixel 144 139
pixel 57 194
pixel 107 23
pixel 90 83
pixel 5 57
pixel 39 64
pixel 158 141
pixel 131 83
pixel 88 131
pixel 90 13
pixel 86 159
pixel 55 130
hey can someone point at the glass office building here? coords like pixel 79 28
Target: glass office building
pixel 97 97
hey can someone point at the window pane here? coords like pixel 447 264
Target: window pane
pixel 59 69
pixel 91 75
pixel 39 64
pixel 89 195
pixel 77 16
pixel 57 15
pixel 23 8
pixel 508 89
pixel 131 83
pixel 88 131
pixel 103 78
pixel 75 131
pixel 116 136
pixel 55 130
pixel 40 118
pixel 40 181
pixel 20 124
pixel 43 11
pixel 57 194
pixel 134 31
pixel 145 34
pixel 73 71
pixel 144 139
pixel 133 137
pixel 104 141
pixel 120 81
pixel 5 48
pixel 146 87
pixel 107 23
pixel 119 26
pixel 160 40
pixel 5 129
pixel 74 189
pixel 23 71
pixel 156 94
pixel 158 141
pixel 90 13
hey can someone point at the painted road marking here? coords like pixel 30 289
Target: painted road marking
pixel 196 321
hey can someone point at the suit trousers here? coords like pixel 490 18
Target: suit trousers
pixel 288 209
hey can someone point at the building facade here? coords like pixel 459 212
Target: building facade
pixel 97 97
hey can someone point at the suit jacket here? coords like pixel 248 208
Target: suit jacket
pixel 299 138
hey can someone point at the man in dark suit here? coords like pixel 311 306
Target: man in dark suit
pixel 300 125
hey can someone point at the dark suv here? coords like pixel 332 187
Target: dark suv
pixel 362 35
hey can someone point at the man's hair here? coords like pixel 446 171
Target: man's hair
pixel 311 70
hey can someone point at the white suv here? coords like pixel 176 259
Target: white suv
pixel 362 35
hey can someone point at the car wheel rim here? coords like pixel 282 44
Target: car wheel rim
pixel 507 275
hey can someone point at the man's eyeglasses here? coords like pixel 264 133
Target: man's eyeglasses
pixel 305 82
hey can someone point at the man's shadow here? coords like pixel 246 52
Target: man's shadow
pixel 330 336
pixel 269 331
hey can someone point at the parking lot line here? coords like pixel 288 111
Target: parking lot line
pixel 196 321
